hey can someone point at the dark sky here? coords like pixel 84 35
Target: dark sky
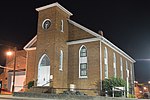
pixel 126 23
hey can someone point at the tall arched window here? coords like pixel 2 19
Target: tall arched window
pixel 61 60
pixel 114 64
pixel 62 26
pixel 121 67
pixel 131 74
pixel 83 62
pixel 106 62
pixel 127 70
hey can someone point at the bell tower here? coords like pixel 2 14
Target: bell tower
pixel 52 34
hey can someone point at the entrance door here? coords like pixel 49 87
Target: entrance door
pixel 44 71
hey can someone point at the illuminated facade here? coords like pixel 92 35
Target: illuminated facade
pixel 64 52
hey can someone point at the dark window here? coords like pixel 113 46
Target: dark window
pixel 83 69
pixel 83 52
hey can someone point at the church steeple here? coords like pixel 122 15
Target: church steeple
pixel 52 17
pixel 54 5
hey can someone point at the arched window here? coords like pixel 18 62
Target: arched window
pixel 83 52
pixel 83 62
pixel 127 70
pixel 114 64
pixel 45 60
pixel 121 67
pixel 62 26
pixel 61 60
pixel 106 62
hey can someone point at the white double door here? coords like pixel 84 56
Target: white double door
pixel 43 76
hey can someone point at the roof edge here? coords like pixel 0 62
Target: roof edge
pixel 104 40
pixel 84 28
pixel 30 43
pixel 53 5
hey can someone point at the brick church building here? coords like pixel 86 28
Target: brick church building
pixel 64 52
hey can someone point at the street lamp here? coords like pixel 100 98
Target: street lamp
pixel 10 53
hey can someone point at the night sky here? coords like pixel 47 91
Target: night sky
pixel 126 23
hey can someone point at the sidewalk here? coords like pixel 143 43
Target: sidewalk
pixel 20 98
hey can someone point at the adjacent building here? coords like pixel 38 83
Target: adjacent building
pixel 20 72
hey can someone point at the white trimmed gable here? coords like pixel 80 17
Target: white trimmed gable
pixel 53 5
pixel 30 43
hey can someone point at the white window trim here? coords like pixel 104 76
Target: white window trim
pixel 114 65
pixel 45 21
pixel 105 51
pixel 121 67
pixel 62 26
pixel 80 61
pixel 61 61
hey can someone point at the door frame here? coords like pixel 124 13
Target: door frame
pixel 48 84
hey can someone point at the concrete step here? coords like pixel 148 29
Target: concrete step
pixel 41 89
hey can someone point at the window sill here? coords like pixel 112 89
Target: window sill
pixel 83 77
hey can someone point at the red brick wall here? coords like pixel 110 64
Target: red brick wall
pixel 50 42
pixel 76 33
pixel 93 49
pixel 30 70
pixel 20 60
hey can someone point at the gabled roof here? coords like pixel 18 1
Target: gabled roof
pixel 53 5
pixel 83 28
pixel 101 38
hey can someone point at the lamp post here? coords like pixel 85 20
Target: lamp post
pixel 10 53
pixel 148 86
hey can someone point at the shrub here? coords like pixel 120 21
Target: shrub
pixel 30 84
pixel 108 84
pixel 131 96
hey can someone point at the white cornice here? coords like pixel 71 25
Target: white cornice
pixel 53 5
pixel 115 48
pixel 30 43
pixel 105 41
pixel 82 41
pixel 29 49
pixel 84 28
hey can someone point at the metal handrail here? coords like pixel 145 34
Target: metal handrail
pixel 46 83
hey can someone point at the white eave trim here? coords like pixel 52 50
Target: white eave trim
pixel 115 48
pixel 30 43
pixel 84 28
pixel 83 41
pixel 105 41
pixel 53 5
pixel 29 49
